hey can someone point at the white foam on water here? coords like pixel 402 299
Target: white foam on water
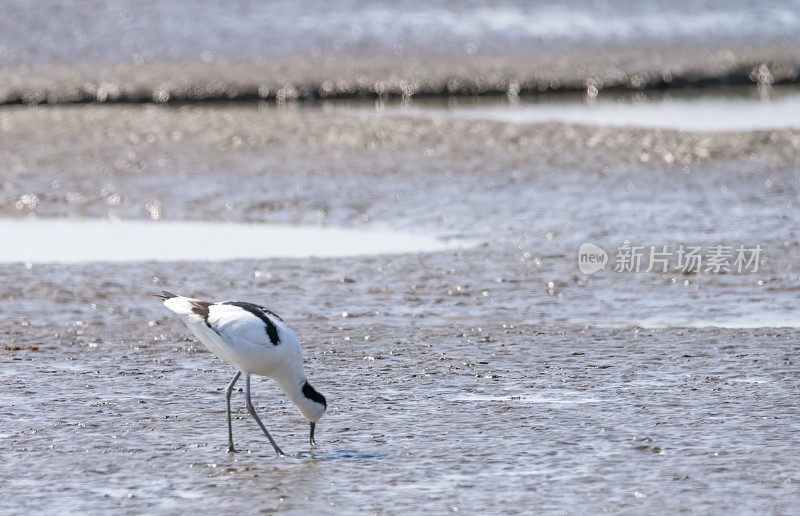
pixel 689 114
pixel 70 241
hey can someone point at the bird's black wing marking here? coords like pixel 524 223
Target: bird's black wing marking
pixel 263 314
pixel 201 308
pixel 268 311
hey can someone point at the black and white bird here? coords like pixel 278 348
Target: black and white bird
pixel 255 341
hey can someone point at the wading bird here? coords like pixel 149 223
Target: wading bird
pixel 255 341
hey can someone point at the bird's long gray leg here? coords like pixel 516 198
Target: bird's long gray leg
pixel 228 391
pixel 255 416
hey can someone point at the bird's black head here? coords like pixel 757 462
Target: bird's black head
pixel 312 394
pixel 316 404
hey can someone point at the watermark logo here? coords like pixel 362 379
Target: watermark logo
pixel 591 258
pixel 685 259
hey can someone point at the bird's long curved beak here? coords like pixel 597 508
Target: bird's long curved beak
pixel 311 437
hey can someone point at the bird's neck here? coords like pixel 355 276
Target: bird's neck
pixel 291 384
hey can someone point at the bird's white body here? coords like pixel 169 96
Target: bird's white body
pixel 238 337
pixel 254 341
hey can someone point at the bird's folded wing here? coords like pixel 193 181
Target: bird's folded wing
pixel 235 325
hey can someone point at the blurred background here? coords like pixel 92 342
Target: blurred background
pixel 408 184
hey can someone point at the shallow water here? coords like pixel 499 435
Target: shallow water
pixel 56 30
pixel 702 111
pixel 80 241
pixel 494 378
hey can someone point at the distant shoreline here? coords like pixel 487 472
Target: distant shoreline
pixel 189 83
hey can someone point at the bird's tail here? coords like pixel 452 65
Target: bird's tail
pixel 164 295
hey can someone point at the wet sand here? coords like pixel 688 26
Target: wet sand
pixel 422 417
pixel 490 378
pixel 494 378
